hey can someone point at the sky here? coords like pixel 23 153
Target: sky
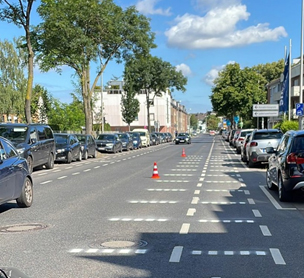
pixel 199 37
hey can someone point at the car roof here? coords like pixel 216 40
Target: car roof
pixel 266 130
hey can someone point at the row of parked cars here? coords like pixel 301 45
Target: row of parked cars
pixel 282 153
pixel 24 147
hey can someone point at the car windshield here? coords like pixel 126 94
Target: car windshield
pixel 267 135
pixel 61 139
pixel 244 133
pixel 142 134
pixel 15 134
pixel 123 136
pixel 298 144
pixel 81 138
pixel 105 137
pixel 183 134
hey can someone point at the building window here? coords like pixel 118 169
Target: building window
pixel 152 117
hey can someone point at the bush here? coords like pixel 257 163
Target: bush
pixel 287 125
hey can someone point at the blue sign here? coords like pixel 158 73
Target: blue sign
pixel 236 119
pixel 228 122
pixel 299 109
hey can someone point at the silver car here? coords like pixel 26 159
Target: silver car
pixel 259 140
pixel 239 141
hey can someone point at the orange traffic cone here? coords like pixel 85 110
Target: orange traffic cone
pixel 155 172
pixel 183 153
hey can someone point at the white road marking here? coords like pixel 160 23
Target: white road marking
pixel 277 257
pixel 56 171
pixel 229 253
pixel 184 229
pixel 75 250
pixel 256 213
pixel 153 202
pixel 245 253
pixel 201 179
pixel 105 164
pixel 176 254
pixel 246 192
pixel 70 167
pixel 212 253
pixel 251 201
pixel 265 231
pixel 45 182
pixel 92 251
pixel 87 170
pixel 63 177
pixel 225 221
pixel 166 189
pixel 197 192
pixel 41 174
pixel 196 252
pixel 199 185
pixel 96 167
pixel 76 173
pixel 172 181
pixel 272 200
pixel 195 200
pixel 224 203
pixel 191 212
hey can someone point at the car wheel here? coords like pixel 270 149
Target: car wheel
pixel 120 149
pixel 238 151
pixel 30 164
pixel 86 155
pixel 284 196
pixel 79 158
pixel 269 183
pixel 69 158
pixel 95 154
pixel 26 198
pixel 50 163
pixel 250 163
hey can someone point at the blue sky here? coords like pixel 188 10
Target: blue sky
pixel 200 37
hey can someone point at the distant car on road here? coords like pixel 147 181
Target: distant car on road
pixel 15 179
pixel 126 140
pixel 183 138
pixel 88 145
pixel 68 148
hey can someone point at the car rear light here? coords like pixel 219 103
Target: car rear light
pixel 294 159
pixel 253 144
pixel 241 139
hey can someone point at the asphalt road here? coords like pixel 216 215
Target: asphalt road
pixel 207 216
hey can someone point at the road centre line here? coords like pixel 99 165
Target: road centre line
pixel 199 185
pixel 197 192
pixel 176 254
pixel 45 182
pixel 76 173
pixel 265 231
pixel 191 212
pixel 184 229
pixel 273 201
pixel 256 213
pixel 87 170
pixel 195 200
pixel 277 256
pixel 251 201
pixel 63 177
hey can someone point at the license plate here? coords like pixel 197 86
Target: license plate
pixel 101 149
pixel 182 140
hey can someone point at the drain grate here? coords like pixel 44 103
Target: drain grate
pixel 16 228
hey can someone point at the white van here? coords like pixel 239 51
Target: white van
pixel 144 136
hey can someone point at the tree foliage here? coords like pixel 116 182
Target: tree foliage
pixel 153 76
pixel 193 121
pixel 20 14
pixel 236 90
pixel 287 125
pixel 12 79
pixel 212 122
pixel 78 35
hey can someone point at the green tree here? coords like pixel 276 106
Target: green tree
pixel 78 35
pixel 41 104
pixel 129 104
pixel 193 121
pixel 235 92
pixel 12 79
pixel 153 76
pixel 212 122
pixel 20 15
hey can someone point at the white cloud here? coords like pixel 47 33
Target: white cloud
pixel 186 71
pixel 147 7
pixel 210 4
pixel 217 29
pixel 213 74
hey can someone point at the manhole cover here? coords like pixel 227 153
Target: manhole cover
pixel 22 228
pixel 121 243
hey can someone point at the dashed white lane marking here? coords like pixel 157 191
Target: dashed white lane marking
pixel 191 212
pixel 251 201
pixel 222 181
pixel 45 182
pixel 167 189
pixel 256 213
pixel 223 203
pixel 199 185
pixel 184 170
pixel 56 171
pixel 153 202
pixel 272 200
pixel 105 164
pixel 201 179
pixel 41 174
pixel 138 219
pixel 246 192
pixel 265 231
pixel 87 170
pixel 96 167
pixel 195 200
pixel 172 181
pixel 63 177
pixel 197 192
pixel 277 256
pixel 229 253
pixel 70 167
pixel 178 175
pixel 184 229
pixel 176 254
pixel 225 221
pixel 76 173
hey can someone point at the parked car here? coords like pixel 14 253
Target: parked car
pixel 34 142
pixel 170 137
pixel 231 135
pixel 243 147
pixel 88 145
pixel 212 132
pixel 183 138
pixel 136 140
pixel 108 142
pixel 68 148
pixel 235 136
pixel 286 165
pixel 161 136
pixel 259 140
pixel 144 136
pixel 154 139
pixel 240 139
pixel 15 179
pixel 126 140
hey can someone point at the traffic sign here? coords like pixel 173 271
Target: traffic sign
pixel 299 109
pixel 263 107
pixel 236 119
pixel 265 113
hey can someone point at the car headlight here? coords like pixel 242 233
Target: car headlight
pixel 81 147
pixel 60 150
pixel 135 141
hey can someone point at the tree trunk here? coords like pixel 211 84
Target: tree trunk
pixel 30 79
pixel 148 109
pixel 86 102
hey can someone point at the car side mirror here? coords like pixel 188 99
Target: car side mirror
pixel 33 140
pixel 270 150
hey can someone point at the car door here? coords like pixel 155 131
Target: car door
pixel 7 172
pixel 35 148
pixel 73 144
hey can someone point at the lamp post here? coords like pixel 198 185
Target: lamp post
pixel 101 102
